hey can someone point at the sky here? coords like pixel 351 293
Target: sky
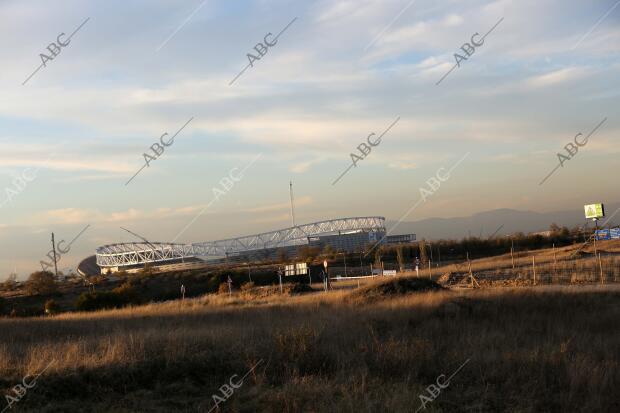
pixel 75 132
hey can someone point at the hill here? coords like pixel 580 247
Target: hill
pixel 484 224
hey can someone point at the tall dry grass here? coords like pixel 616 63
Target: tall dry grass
pixel 567 265
pixel 545 349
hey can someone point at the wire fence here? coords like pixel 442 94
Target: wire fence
pixel 601 269
pixel 523 269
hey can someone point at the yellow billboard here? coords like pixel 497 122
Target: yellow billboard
pixel 594 211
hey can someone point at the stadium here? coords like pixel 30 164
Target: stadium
pixel 343 234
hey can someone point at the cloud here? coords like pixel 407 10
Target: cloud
pixel 86 216
pixel 301 167
pixel 273 219
pixel 405 165
pixel 62 157
pixel 71 215
pixel 569 74
pixel 307 104
pixel 302 201
pixel 337 10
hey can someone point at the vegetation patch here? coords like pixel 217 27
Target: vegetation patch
pixel 249 290
pixel 394 288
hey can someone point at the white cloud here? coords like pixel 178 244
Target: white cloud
pixel 568 74
pixel 301 201
pixel 89 216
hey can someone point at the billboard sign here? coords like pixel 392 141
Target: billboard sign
pixel 594 211
pixel 603 234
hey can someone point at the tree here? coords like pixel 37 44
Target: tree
pixel 328 251
pixel 399 258
pixel 2 306
pixel 422 248
pixel 378 255
pixel 41 283
pixel 282 256
pixel 11 282
pixel 307 253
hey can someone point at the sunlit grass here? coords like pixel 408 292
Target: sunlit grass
pixel 324 352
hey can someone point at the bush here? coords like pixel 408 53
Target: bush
pixel 41 283
pixel 247 286
pixel 223 288
pixel 121 296
pixel 300 289
pixel 97 301
pixel 51 307
pixel 27 312
pixel 394 288
pixel 127 292
pixel 11 283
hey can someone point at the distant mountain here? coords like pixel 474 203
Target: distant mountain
pixel 486 223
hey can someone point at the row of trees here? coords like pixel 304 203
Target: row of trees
pixel 38 283
pixel 452 250
pixel 44 283
pixel 445 250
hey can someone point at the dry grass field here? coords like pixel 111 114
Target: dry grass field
pixel 540 349
pixel 574 264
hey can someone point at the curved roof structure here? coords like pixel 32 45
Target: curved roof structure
pixel 134 253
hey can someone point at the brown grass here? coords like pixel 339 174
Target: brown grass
pixel 541 349
pixel 559 267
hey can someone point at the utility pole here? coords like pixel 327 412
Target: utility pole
pixel 555 264
pixel 471 275
pixel 595 234
pixel 280 271
pixel 55 260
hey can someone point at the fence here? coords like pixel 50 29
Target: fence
pixel 521 269
pixel 350 271
pixel 535 270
